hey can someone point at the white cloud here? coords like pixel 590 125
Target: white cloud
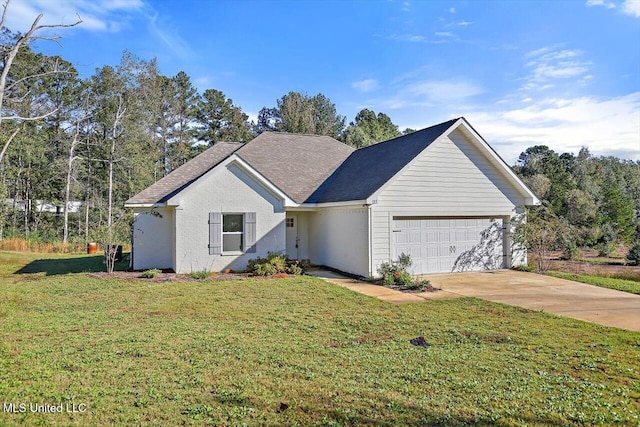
pixel 110 16
pixel 367 85
pixel 608 5
pixel 443 34
pixel 440 91
pixel 413 38
pixel 163 31
pixel 451 10
pixel 253 116
pixel 548 64
pixel 628 7
pixel 606 126
pixel 411 93
pixel 631 7
pixel 102 15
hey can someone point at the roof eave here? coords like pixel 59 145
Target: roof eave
pixel 145 205
pixel 332 204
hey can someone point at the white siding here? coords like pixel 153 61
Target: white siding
pixel 153 238
pixel 452 178
pixel 229 190
pixel 338 238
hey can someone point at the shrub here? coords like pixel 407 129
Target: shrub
pixel 571 251
pixel 634 254
pixel 275 263
pixel 527 268
pixel 422 285
pixel 199 275
pixel 294 269
pixel 150 274
pixel 395 273
pixel 404 279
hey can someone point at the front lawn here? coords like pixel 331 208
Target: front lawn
pixel 295 351
pixel 631 286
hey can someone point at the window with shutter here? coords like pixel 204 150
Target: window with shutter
pixel 232 233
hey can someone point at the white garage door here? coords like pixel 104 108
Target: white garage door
pixel 446 245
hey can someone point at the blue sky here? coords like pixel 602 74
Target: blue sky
pixel 560 73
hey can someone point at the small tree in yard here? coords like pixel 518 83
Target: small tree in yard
pixel 540 232
pixel 110 237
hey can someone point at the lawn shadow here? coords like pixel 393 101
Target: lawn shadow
pixel 85 264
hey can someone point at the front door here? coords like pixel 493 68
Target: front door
pixel 291 224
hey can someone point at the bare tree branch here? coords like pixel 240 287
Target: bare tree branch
pixel 6 144
pixel 27 119
pixel 10 56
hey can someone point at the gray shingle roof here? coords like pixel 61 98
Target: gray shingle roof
pixel 171 184
pixel 367 169
pixel 297 164
pixel 307 168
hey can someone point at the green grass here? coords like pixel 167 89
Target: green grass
pixel 631 286
pixel 296 351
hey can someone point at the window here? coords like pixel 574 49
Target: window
pixel 290 222
pixel 232 232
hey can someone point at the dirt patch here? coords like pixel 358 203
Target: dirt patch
pixel 165 277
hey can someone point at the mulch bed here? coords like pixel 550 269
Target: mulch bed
pixel 410 291
pixel 165 277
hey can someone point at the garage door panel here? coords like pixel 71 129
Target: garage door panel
pixel 445 245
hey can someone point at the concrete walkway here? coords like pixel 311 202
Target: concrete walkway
pixel 377 291
pixel 538 292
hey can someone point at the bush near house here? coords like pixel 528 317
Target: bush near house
pixel 395 273
pixel 150 274
pixel 275 263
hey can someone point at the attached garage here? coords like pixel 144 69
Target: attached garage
pixel 439 245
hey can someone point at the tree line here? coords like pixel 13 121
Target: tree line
pixel 587 201
pixel 99 140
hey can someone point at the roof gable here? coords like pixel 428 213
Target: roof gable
pixel 168 186
pixel 294 164
pixel 369 168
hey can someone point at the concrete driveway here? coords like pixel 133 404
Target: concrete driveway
pixel 538 292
